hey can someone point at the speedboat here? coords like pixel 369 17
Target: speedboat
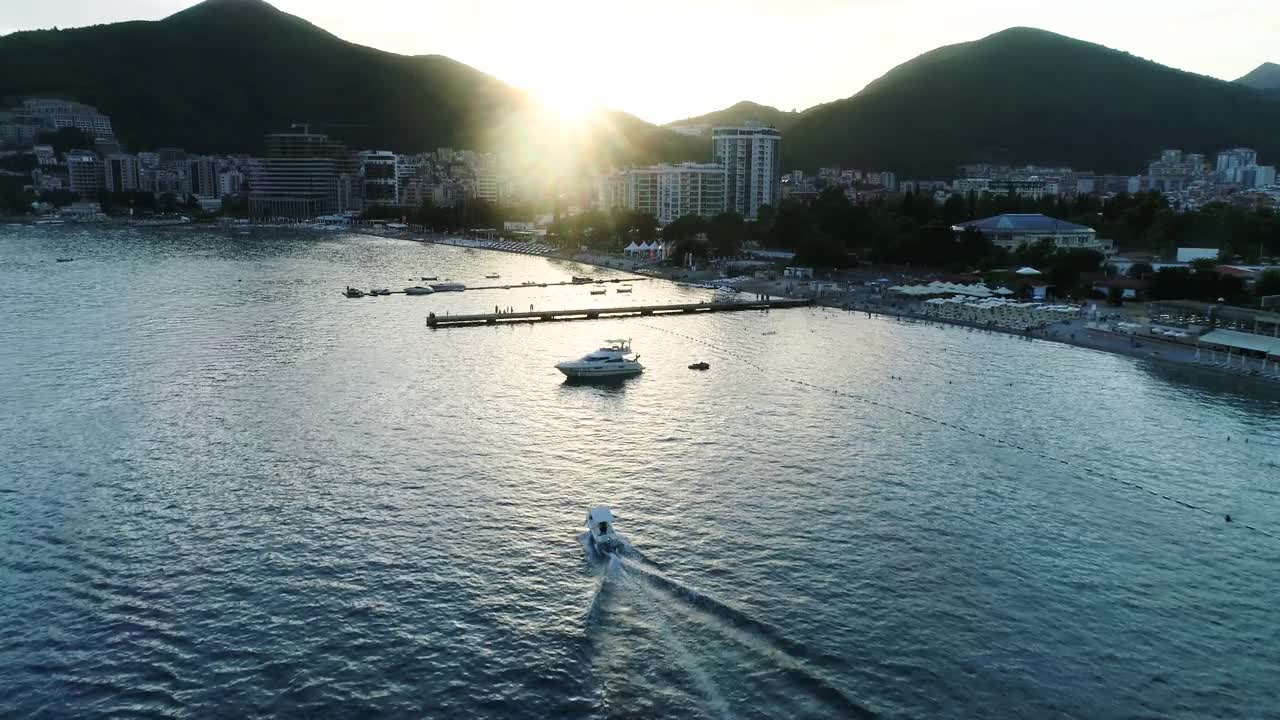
pixel 448 287
pixel 600 291
pixel 623 289
pixel 418 290
pixel 353 293
pixel 578 279
pixel 700 366
pixel 600 530
pixel 433 277
pixel 615 360
pixel 492 277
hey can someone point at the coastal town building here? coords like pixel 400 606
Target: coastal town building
pixel 1228 161
pixel 690 189
pixel 305 174
pixel 67 114
pixel 84 172
pixel 199 176
pixel 19 129
pixel 45 155
pixel 381 172
pixel 230 182
pixel 120 173
pixel 752 163
pixel 1013 230
pixel 667 192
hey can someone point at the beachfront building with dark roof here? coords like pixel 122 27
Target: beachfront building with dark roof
pixel 1012 230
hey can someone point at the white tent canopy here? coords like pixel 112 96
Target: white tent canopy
pixel 1028 271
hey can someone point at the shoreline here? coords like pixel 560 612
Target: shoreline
pixel 1177 355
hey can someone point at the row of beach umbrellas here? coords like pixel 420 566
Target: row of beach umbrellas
pixel 945 288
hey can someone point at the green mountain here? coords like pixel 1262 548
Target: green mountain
pixel 1026 95
pixel 1264 77
pixel 218 76
pixel 740 113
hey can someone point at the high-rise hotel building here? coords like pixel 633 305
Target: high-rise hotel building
pixel 750 157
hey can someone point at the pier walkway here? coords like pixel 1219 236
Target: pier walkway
pixel 444 321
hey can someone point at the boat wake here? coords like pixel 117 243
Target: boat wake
pixel 631 580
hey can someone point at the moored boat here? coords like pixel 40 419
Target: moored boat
pixel 614 360
pixel 418 290
pixel 448 287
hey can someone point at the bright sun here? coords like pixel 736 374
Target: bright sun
pixel 567 107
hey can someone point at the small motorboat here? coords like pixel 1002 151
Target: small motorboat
pixel 600 531
pixel 433 277
pixel 448 287
pixel 380 291
pixel 599 291
pixel 418 290
pixel 579 279
pixel 64 259
pixel 615 360
pixel 623 289
pixel 492 277
pixel 700 366
pixel 353 292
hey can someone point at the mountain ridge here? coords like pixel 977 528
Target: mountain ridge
pixel 739 113
pixel 1029 95
pixel 173 82
pixel 1264 77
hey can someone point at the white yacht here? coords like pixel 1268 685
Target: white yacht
pixel 611 361
pixel 600 529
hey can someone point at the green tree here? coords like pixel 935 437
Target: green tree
pixel 726 232
pixel 793 224
pixel 1202 265
pixel 67 138
pixel 1268 283
pixel 686 235
pixel 1140 270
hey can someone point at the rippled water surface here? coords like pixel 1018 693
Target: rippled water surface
pixel 229 491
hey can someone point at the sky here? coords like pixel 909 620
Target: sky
pixel 668 59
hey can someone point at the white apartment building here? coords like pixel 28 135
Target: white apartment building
pixel 668 192
pixel 84 172
pixel 486 185
pixel 690 189
pixel 66 113
pixel 1230 160
pixel 230 182
pixel 750 156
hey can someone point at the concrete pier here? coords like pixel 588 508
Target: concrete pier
pixel 523 286
pixel 444 321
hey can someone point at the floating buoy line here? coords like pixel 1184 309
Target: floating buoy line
pixel 1080 469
